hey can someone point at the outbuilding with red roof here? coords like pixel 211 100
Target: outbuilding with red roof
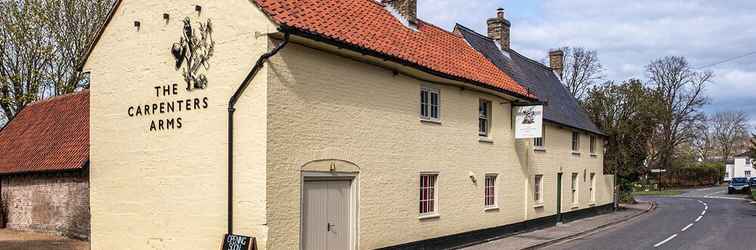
pixel 44 167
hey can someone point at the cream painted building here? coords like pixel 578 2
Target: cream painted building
pixel 354 135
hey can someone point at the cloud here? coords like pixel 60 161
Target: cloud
pixel 630 34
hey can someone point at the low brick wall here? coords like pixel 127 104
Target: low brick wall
pixel 48 202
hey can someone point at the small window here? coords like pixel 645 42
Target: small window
pixel 575 142
pixel 593 145
pixel 430 100
pixel 428 200
pixel 484 118
pixel 490 191
pixel 593 187
pixel 574 188
pixel 539 142
pixel 537 185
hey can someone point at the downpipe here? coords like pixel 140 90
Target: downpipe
pixel 231 109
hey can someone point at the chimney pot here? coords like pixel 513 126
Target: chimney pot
pixel 556 62
pixel 499 28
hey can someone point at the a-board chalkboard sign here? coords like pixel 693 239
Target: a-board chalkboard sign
pixel 239 242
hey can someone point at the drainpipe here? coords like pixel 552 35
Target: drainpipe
pixel 231 103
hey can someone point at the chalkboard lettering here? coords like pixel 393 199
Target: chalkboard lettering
pixel 239 242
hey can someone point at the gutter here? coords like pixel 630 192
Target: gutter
pixel 231 109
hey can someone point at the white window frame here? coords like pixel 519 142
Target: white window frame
pixel 575 142
pixel 484 130
pixel 426 108
pixel 538 188
pixel 575 188
pixel 593 188
pixel 431 212
pixel 492 194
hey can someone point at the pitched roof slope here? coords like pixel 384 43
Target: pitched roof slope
pixel 560 106
pixel 366 24
pixel 48 135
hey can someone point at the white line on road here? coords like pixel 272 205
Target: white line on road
pixel 703 213
pixel 665 241
pixel 699 218
pixel 686 227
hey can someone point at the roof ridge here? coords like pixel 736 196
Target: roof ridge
pixel 473 31
pixel 438 28
pixel 510 50
pixel 58 97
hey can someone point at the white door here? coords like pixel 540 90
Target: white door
pixel 326 215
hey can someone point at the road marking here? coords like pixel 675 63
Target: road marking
pixel 699 218
pixel 665 241
pixel 703 213
pixel 686 227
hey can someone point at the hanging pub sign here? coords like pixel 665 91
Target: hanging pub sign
pixel 528 122
pixel 239 242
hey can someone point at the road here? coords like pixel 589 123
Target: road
pixel 698 219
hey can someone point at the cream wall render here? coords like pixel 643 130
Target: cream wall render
pixel 167 189
pixel 323 106
pixel 557 157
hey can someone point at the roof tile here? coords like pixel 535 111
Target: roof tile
pixel 368 25
pixel 48 135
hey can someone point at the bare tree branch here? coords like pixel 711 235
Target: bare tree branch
pixel 582 70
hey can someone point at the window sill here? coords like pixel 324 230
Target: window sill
pixel 485 140
pixel 539 149
pixel 575 206
pixel 592 204
pixel 428 216
pixel 491 209
pixel 430 121
pixel 576 153
pixel 538 204
pixel 594 155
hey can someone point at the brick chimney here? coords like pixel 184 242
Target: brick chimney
pixel 498 29
pixel 556 62
pixel 407 8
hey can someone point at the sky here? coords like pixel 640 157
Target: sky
pixel 628 35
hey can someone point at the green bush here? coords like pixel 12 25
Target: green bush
pixel 701 175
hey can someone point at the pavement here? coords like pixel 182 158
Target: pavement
pixel 540 238
pixel 697 219
pixel 15 240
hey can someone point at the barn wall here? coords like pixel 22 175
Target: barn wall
pixel 51 203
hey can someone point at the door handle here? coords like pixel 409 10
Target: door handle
pixel 329 226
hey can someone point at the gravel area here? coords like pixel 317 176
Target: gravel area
pixel 15 240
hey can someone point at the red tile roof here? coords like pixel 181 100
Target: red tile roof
pixel 49 135
pixel 366 24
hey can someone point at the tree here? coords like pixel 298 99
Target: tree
pixel 704 143
pixel 680 89
pixel 25 50
pixel 730 128
pixel 625 112
pixel 752 146
pixel 42 43
pixel 582 70
pixel 72 26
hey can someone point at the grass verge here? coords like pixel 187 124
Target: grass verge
pixel 658 193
